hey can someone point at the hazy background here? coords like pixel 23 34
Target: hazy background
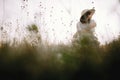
pixel 57 18
pixel 54 21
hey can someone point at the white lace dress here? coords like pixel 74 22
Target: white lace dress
pixel 86 29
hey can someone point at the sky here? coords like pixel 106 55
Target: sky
pixel 57 19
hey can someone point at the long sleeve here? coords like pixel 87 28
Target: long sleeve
pixel 92 24
pixel 78 27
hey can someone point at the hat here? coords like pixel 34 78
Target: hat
pixel 86 10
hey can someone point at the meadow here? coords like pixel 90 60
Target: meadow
pixel 82 60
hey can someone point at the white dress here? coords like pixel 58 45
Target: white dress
pixel 86 29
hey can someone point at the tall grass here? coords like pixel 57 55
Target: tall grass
pixel 84 60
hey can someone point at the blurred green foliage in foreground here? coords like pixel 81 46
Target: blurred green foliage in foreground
pixel 85 61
